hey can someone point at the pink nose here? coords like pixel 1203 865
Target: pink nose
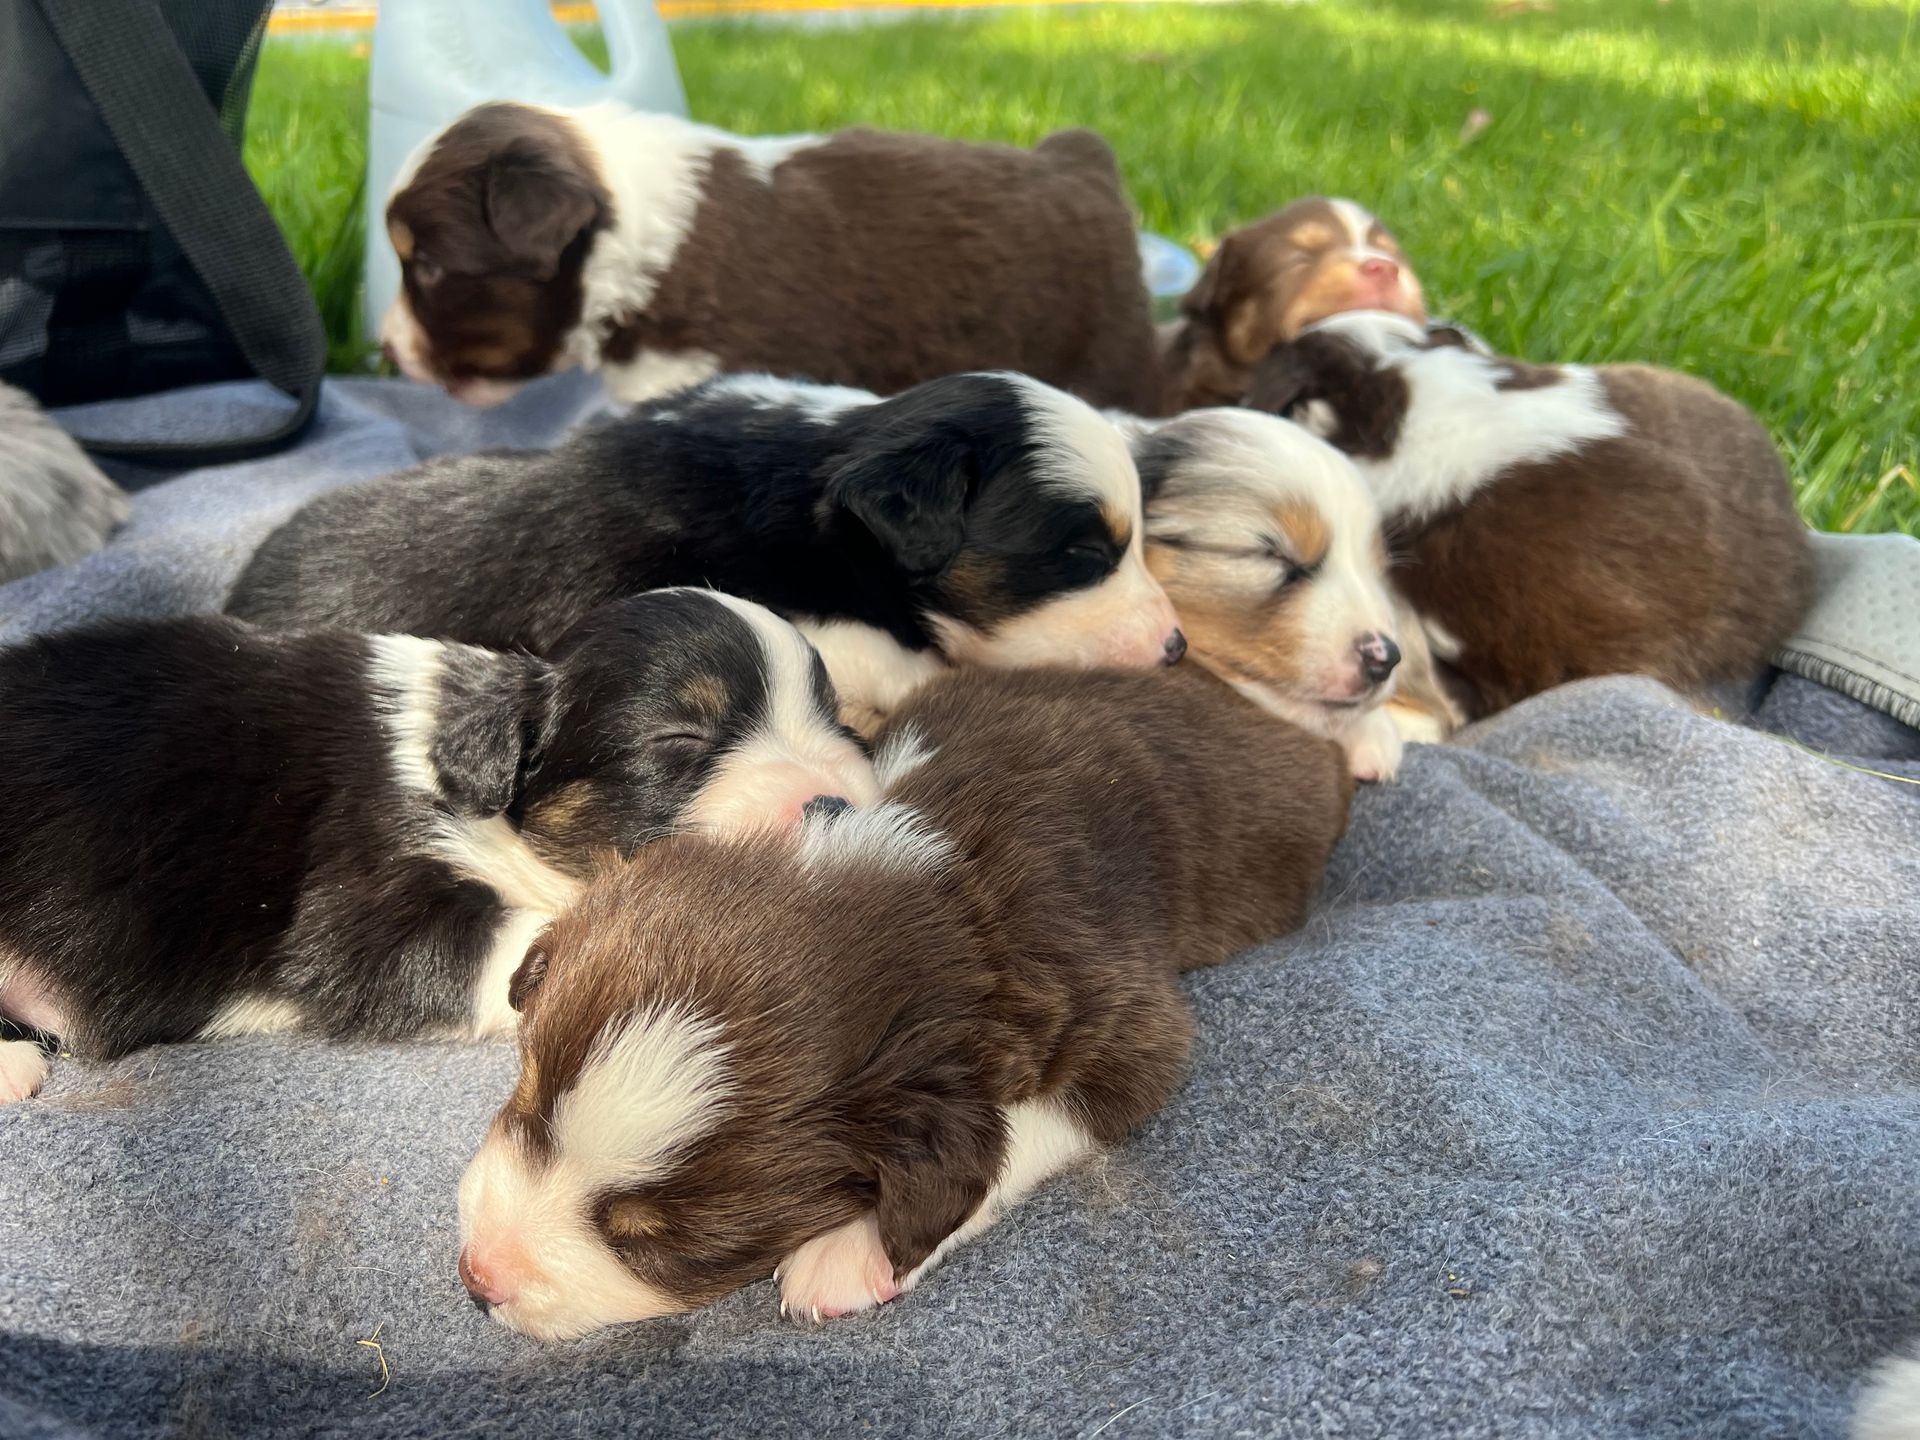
pixel 1378 269
pixel 485 1290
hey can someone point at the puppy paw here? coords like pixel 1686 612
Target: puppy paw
pixel 839 1273
pixel 1373 747
pixel 23 1070
pixel 1417 725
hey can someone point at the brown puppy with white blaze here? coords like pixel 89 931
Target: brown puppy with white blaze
pixel 1269 546
pixel 842 1054
pixel 661 252
pixel 1552 522
pixel 1269 281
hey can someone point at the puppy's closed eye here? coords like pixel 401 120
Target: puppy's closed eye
pixel 685 738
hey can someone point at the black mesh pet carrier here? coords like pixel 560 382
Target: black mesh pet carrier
pixel 135 254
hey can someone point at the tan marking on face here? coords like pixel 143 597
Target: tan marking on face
pixel 1283 296
pixel 525 1100
pixel 1314 235
pixel 979 583
pixel 1262 640
pixel 706 694
pixel 402 236
pixel 1119 526
pixel 631 1218
pixel 1306 531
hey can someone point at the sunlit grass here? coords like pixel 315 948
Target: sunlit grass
pixel 1722 186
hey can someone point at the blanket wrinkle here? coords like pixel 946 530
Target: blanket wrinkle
pixel 1588 1104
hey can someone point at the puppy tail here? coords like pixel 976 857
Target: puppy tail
pixel 55 504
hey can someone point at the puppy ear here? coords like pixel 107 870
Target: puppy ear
pixel 930 1145
pixel 494 721
pixel 1283 380
pixel 912 497
pixel 537 203
pixel 526 979
pixel 1217 282
pixel 1228 300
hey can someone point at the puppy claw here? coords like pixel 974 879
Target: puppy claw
pixel 837 1274
pixel 23 1070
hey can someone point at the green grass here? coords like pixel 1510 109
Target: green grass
pixel 1724 187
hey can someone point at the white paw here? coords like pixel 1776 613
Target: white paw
pixel 1373 747
pixel 1418 725
pixel 839 1273
pixel 23 1070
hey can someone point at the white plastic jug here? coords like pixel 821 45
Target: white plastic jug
pixel 434 59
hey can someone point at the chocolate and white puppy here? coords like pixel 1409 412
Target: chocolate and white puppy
pixel 1269 546
pixel 661 252
pixel 213 831
pixel 975 519
pixel 1269 281
pixel 1557 521
pixel 843 1054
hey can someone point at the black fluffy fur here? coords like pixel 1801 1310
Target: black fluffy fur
pixel 199 811
pixel 884 513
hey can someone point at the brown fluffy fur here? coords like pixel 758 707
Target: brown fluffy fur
pixel 870 259
pixel 1107 830
pixel 1672 550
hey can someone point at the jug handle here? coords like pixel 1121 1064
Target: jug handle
pixel 620 26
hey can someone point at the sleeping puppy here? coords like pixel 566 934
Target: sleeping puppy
pixel 978 519
pixel 55 505
pixel 1269 546
pixel 211 831
pixel 842 1054
pixel 1269 281
pixel 1557 521
pixel 661 252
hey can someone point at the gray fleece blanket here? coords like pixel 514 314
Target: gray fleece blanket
pixel 1587 1105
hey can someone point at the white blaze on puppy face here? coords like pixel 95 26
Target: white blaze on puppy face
pixel 796 752
pixel 1123 622
pixel 652 1086
pixel 1271 548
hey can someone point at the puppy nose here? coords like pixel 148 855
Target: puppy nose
pixel 1176 647
pixel 1377 267
pixel 825 807
pixel 1378 656
pixel 485 1292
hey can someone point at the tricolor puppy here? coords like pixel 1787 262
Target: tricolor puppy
pixel 211 831
pixel 1269 546
pixel 1557 521
pixel 841 1055
pixel 982 519
pixel 661 252
pixel 1269 281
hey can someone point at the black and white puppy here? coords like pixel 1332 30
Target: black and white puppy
pixel 213 831
pixel 975 519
